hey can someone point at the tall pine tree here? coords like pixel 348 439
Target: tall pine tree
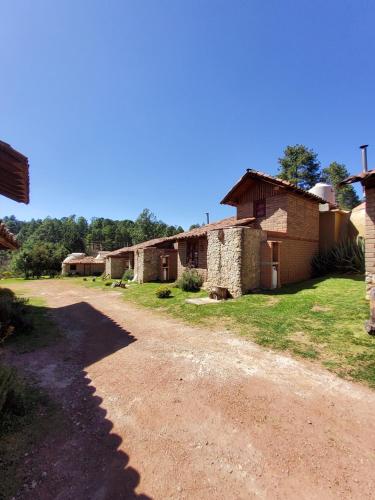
pixel 346 197
pixel 300 165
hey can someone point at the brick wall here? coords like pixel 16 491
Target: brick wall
pixel 303 217
pixel 370 238
pixel 295 260
pixel 202 257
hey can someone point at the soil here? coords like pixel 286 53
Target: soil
pixel 154 408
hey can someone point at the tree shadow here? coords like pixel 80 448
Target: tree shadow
pixel 82 460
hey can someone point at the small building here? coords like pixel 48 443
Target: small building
pixel 268 243
pixel 80 264
pixel 153 260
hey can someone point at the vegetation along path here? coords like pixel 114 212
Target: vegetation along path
pixel 158 409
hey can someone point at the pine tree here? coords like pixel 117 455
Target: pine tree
pixel 346 197
pixel 300 166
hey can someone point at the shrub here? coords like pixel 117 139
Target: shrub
pixel 190 281
pixel 6 274
pixel 345 257
pixel 109 283
pixel 13 315
pixel 128 275
pixel 163 292
pixel 93 279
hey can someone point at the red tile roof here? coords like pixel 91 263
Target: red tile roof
pixel 221 224
pixel 365 178
pixel 14 174
pixel 230 197
pixel 193 233
pixel 150 243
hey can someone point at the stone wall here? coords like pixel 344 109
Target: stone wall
pixel 115 267
pixel 250 269
pixel 147 264
pixel 233 259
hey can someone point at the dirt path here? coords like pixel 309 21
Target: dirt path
pixel 162 410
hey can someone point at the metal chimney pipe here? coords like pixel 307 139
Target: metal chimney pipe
pixel 208 217
pixel 364 157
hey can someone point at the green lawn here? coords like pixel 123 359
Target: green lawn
pixel 320 319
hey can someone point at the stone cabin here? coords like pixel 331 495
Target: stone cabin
pixel 153 260
pixel 268 243
pixel 80 264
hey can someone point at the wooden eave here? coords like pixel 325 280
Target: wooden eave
pixel 14 174
pixel 252 176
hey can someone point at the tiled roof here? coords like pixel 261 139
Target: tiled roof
pixel 150 243
pixel 229 199
pixel 193 233
pixel 14 174
pixel 87 259
pixel 7 239
pixel 221 224
pixel 365 178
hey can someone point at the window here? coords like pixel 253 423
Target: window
pixel 73 267
pixel 260 208
pixel 192 253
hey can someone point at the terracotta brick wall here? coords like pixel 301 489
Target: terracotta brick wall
pixel 202 257
pixel 295 260
pixel 370 236
pixel 303 217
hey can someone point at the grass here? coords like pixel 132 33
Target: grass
pixel 319 319
pixel 44 333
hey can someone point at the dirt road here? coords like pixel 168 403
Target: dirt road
pixel 161 410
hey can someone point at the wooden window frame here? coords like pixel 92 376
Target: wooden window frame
pixel 192 253
pixel 260 208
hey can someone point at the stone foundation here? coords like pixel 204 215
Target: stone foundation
pixel 233 259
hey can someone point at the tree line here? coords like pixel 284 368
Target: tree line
pixel 300 165
pixel 46 242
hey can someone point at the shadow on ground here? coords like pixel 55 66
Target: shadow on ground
pixel 82 460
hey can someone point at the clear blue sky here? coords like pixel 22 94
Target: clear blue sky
pixel 122 105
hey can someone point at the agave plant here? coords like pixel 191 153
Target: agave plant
pixel 345 257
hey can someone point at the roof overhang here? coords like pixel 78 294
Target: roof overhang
pixel 252 176
pixel 367 179
pixel 14 174
pixel 7 239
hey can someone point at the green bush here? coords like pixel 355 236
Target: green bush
pixel 345 257
pixel 109 283
pixel 190 281
pixel 128 275
pixel 163 292
pixel 6 274
pixel 13 314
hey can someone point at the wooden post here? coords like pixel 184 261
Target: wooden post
pixel 370 324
